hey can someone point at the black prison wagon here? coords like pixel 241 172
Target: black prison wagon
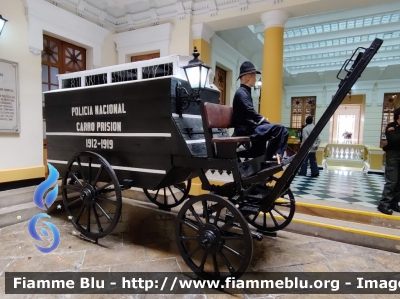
pixel 106 138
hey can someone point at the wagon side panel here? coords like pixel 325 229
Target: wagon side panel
pixel 128 124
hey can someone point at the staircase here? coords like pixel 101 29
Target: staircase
pixel 347 223
pixel 17 206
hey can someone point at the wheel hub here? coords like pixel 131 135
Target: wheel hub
pixel 210 238
pixel 88 195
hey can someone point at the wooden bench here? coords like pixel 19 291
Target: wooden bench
pixel 219 117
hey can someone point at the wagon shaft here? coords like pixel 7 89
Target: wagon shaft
pixel 352 68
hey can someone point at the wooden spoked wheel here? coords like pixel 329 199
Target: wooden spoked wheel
pixel 91 195
pixel 171 196
pixel 213 237
pixel 278 216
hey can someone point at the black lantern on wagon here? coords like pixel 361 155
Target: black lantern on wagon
pixel 196 73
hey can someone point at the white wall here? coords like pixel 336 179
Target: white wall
pixel 26 148
pixel 143 41
pixel 225 56
pixel 22 42
pixel 373 90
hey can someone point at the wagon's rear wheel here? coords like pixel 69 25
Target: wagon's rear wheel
pixel 91 195
pixel 213 237
pixel 278 216
pixel 171 196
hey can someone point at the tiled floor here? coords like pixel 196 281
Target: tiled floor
pixel 150 246
pixel 342 186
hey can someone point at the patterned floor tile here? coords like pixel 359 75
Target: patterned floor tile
pixel 341 186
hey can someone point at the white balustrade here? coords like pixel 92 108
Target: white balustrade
pixel 345 151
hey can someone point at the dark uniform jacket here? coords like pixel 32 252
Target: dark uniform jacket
pixel 392 137
pixel 245 118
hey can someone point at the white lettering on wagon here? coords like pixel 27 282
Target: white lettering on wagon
pixel 98 110
pixel 109 109
pixel 81 111
pixel 103 126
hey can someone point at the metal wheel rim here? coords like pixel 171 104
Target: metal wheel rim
pixel 218 253
pixel 273 212
pixel 163 205
pixel 94 209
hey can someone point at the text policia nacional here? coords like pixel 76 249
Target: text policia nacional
pixel 99 126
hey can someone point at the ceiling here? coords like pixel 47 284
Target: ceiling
pixel 315 44
pixel 315 47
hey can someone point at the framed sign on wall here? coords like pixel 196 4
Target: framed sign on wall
pixel 9 97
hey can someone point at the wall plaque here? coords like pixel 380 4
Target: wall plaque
pixel 9 97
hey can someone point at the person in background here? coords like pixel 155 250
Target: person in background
pixel 391 191
pixel 248 122
pixel 311 155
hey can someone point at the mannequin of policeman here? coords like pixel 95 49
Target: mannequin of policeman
pixel 248 122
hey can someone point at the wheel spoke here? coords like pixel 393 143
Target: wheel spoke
pixel 217 216
pixel 78 159
pixel 105 186
pixel 215 264
pixel 96 179
pixel 196 216
pixel 80 214
pixel 104 212
pixel 205 211
pixel 73 202
pixel 265 220
pixel 227 225
pixel 194 250
pixel 155 197
pixel 190 224
pixel 227 263
pixel 173 195
pixel 96 216
pixel 273 218
pixel 203 260
pixel 75 178
pixel 284 216
pixel 182 189
pixel 88 220
pixel 233 251
pixel 165 197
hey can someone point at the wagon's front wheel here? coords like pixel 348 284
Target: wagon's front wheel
pixel 171 196
pixel 91 195
pixel 213 237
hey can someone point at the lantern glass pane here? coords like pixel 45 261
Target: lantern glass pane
pixel 204 73
pixel 2 23
pixel 193 75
